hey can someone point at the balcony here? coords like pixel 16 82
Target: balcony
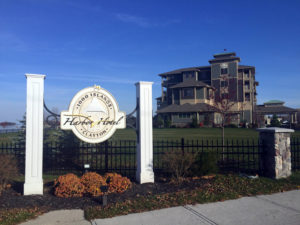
pixel 168 83
pixel 161 105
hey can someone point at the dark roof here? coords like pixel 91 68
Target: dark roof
pixel 278 109
pixel 198 68
pixel 246 67
pixel 190 83
pixel 224 59
pixel 199 107
pixel 223 54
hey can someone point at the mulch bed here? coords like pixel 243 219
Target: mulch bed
pixel 13 197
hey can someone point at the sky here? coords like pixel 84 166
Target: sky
pixel 116 43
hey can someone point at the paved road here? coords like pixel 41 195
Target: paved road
pixel 281 208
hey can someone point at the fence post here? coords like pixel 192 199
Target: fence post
pixel 34 135
pixel 182 146
pixel 106 156
pixel 276 158
pixel 144 156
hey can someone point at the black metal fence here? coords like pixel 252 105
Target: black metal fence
pixel 120 156
pixel 6 131
pixel 242 156
pixel 295 153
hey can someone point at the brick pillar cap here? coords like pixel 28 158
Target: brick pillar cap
pixel 275 130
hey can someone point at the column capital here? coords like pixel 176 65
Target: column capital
pixel 31 75
pixel 143 83
pixel 275 130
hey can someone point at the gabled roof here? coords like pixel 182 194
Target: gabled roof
pixel 280 109
pixel 198 68
pixel 199 107
pixel 178 71
pixel 190 83
pixel 246 67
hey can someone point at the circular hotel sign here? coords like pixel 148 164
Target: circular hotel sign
pixel 93 115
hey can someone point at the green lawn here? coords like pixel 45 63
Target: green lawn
pixel 193 134
pixel 175 134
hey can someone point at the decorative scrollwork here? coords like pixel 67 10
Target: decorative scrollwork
pixel 53 119
pixel 130 122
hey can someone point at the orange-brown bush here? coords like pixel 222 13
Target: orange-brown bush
pixel 117 183
pixel 92 183
pixel 68 185
pixel 8 170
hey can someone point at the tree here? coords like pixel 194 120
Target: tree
pixel 167 122
pixel 158 121
pixel 21 138
pixel 69 148
pixel 223 104
pixel 275 122
pixel 194 123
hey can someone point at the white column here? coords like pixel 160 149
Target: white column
pixel 144 173
pixel 34 135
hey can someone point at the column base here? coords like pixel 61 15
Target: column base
pixel 33 188
pixel 145 177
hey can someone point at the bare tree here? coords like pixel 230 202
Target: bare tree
pixel 224 103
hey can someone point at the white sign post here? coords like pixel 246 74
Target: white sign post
pixel 34 135
pixel 144 172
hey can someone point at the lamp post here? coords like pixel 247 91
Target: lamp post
pixel 104 189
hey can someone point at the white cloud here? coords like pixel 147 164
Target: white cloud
pixel 141 21
pixel 12 42
pixel 92 78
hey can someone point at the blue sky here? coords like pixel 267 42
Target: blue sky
pixel 79 43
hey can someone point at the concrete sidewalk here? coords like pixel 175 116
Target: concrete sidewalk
pixel 282 208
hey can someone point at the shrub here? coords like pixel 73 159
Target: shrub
pixel 231 125
pixel 68 185
pixel 275 121
pixel 8 170
pixel 178 164
pixel 194 123
pixel 205 164
pixel 167 122
pixel 92 183
pixel 117 183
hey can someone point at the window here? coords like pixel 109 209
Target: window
pixel 207 93
pixel 247 73
pixel 224 70
pixel 184 115
pixel 224 96
pixel 247 85
pixel 188 93
pixel 247 97
pixel 224 83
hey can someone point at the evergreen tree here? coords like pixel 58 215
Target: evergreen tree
pixel 275 122
pixel 21 137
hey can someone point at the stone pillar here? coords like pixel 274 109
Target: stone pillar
pixel 34 135
pixel 276 158
pixel 144 173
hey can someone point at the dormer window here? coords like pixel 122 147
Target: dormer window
pixel 224 68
